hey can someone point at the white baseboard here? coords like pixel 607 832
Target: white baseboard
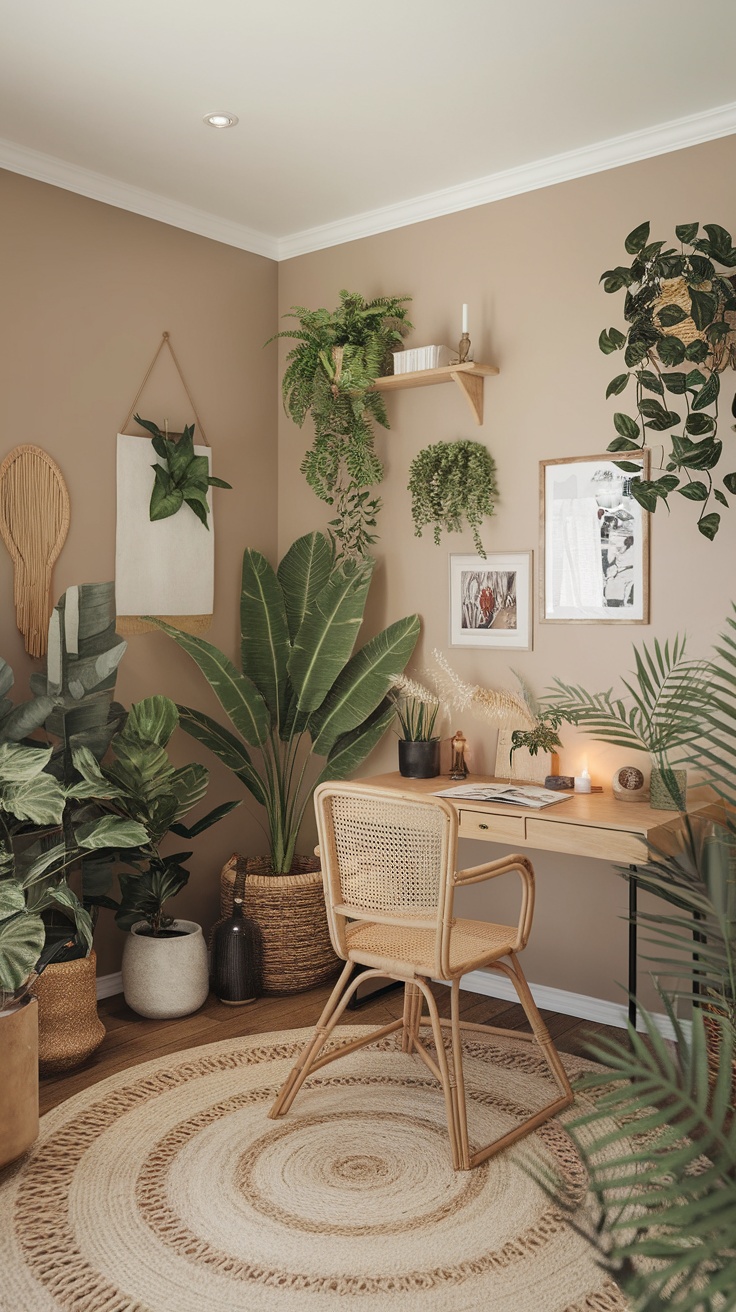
pixel 495 985
pixel 109 985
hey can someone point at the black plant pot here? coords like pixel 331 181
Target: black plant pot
pixel 419 760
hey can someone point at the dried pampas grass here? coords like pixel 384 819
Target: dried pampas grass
pixel 497 705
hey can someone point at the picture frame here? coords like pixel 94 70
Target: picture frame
pixel 595 540
pixel 491 600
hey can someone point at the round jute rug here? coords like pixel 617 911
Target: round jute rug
pixel 166 1189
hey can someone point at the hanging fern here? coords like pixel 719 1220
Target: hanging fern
pixel 452 482
pixel 329 374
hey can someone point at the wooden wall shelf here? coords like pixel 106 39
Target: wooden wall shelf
pixel 468 377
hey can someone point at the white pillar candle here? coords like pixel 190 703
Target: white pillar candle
pixel 582 782
pixel 465 318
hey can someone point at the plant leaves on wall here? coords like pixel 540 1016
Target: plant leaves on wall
pixel 680 309
pixel 184 477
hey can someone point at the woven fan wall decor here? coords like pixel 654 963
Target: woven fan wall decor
pixel 34 522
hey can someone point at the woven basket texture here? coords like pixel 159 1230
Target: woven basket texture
pixel 290 912
pixel 713 1052
pixel 675 291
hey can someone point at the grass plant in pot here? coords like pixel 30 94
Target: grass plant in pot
pixel 417 709
pixel 302 694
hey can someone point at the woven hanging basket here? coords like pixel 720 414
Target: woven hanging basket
pixel 675 291
pixel 290 912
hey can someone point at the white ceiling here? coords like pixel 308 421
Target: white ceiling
pixel 354 114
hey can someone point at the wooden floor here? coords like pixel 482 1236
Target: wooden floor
pixel 130 1039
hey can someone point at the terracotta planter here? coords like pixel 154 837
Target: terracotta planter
pixel 289 910
pixel 19 1082
pixel 69 1029
pixel 419 760
pixel 164 977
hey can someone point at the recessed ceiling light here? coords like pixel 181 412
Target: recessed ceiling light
pixel 221 119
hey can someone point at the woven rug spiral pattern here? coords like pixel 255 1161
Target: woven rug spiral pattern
pixel 165 1188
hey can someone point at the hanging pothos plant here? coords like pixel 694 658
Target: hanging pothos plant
pixel 679 339
pixel 452 482
pixel 329 375
pixel 183 478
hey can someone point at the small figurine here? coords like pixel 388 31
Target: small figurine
pixel 458 768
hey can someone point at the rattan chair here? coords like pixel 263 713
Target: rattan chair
pixel 388 862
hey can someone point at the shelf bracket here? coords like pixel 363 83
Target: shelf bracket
pixel 471 385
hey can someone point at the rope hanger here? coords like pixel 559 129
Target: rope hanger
pixel 165 341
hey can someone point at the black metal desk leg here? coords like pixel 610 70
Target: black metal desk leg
pixel 633 887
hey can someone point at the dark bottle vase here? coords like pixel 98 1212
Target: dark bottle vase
pixel 237 958
pixel 419 760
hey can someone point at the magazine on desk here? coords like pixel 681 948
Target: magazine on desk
pixel 513 794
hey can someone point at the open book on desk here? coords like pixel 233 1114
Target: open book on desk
pixel 513 794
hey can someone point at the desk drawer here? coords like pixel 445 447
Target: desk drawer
pixel 491 828
pixel 586 840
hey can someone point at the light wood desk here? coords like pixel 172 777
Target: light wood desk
pixel 592 825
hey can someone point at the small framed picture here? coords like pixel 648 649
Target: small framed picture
pixel 491 600
pixel 595 540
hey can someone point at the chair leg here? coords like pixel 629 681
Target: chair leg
pixel 300 1070
pixel 466 1160
pixel 412 1016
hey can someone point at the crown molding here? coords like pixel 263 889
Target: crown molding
pixel 617 151
pixel 677 134
pixel 97 186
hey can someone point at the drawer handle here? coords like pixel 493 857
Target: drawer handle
pixel 482 826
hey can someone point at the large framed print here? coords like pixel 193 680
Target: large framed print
pixel 491 600
pixel 595 540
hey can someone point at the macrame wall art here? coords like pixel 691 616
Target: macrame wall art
pixel 164 568
pixel 34 522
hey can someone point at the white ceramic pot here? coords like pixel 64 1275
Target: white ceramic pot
pixel 165 977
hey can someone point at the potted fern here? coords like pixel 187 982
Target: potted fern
pixel 329 376
pixel 672 1202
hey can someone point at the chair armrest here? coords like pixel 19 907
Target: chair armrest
pixel 515 864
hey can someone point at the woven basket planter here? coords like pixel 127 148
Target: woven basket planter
pixel 289 910
pixel 713 1053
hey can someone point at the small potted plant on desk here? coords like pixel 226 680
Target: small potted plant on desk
pixel 417 709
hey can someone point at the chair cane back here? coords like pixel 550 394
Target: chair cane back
pixel 388 865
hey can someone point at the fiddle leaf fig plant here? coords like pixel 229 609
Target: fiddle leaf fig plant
pixel 329 375
pixel 678 340
pixel 183 478
pixel 452 482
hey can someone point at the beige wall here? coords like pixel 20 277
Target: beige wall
pixel 86 292
pixel 529 268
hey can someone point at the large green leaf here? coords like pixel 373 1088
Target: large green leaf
pixel 302 574
pixel 328 632
pixel 225 746
pixel 189 786
pixel 264 632
pixel 350 751
pixel 152 720
pixel 40 800
pixel 111 831
pixel 21 943
pixel 23 720
pixel 12 898
pixel 94 783
pixel 64 896
pixel 18 764
pixel 363 683
pixel 236 693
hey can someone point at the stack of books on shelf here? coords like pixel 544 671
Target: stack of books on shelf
pixel 423 357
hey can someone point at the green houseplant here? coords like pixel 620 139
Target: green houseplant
pixel 677 341
pixel 662 712
pixel 672 1201
pixel 329 375
pixel 451 483
pixel 417 708
pixel 302 693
